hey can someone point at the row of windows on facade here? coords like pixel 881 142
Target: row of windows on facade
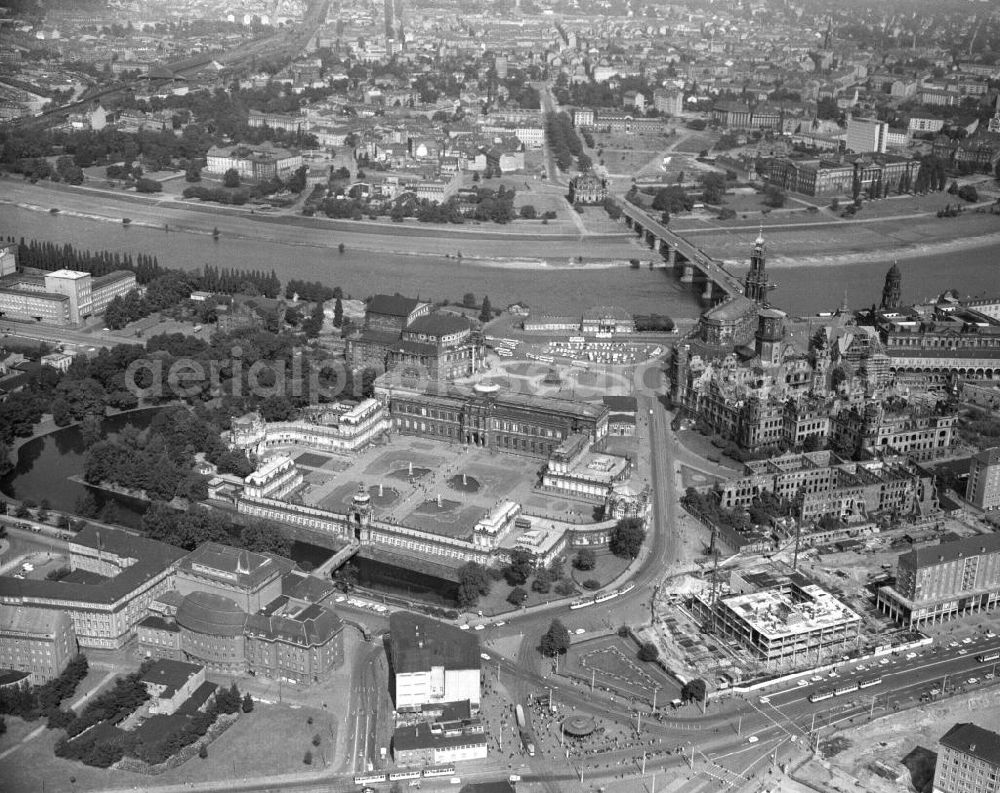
pixel 947 343
pixel 452 432
pixel 506 426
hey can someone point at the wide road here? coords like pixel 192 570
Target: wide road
pixel 549 105
pixel 55 334
pixel 720 749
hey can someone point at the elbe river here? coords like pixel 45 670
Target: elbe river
pixel 552 290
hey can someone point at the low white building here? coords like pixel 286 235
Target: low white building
pixel 170 684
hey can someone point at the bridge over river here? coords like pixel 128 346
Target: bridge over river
pixel 719 282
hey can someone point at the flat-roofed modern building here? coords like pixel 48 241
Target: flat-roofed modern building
pixel 432 662
pixel 940 582
pixel 438 743
pixel 968 761
pixel 60 297
pixel 983 489
pixel 170 683
pixel 866 136
pixel 38 641
pixel 780 618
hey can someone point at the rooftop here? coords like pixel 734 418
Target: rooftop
pixel 973 740
pixel 988 456
pixel 31 621
pixel 393 305
pixel 246 570
pixel 419 643
pixel 313 626
pixel 213 615
pixel 774 613
pixel 731 309
pixel 419 736
pixel 620 404
pixel 951 551
pixel 438 325
pixel 145 558
pixel 172 674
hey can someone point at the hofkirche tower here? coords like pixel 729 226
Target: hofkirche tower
pixel 755 284
pixel 892 290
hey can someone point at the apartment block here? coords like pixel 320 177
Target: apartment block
pixel 968 761
pixel 983 489
pixel 945 581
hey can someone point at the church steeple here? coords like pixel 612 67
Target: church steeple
pixel 755 285
pixel 892 291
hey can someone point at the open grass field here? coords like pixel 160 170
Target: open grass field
pixel 696 142
pixel 271 740
pixel 607 569
pixel 312 460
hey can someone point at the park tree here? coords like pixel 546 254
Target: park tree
pixel 713 188
pixel 486 314
pixel 90 429
pixel 694 690
pixel 968 193
pixel 648 652
pixel 247 703
pixel 556 639
pixel 521 563
pixel 314 323
pixel 469 300
pixel 528 212
pixel 473 581
pixel 774 196
pixel 231 178
pixel 585 559
pixel 338 313
pixel 203 751
pixel 672 199
pixel 542 581
pixel 297 181
pixel 627 537
pixel 86 505
pixel 517 596
pixel 144 185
